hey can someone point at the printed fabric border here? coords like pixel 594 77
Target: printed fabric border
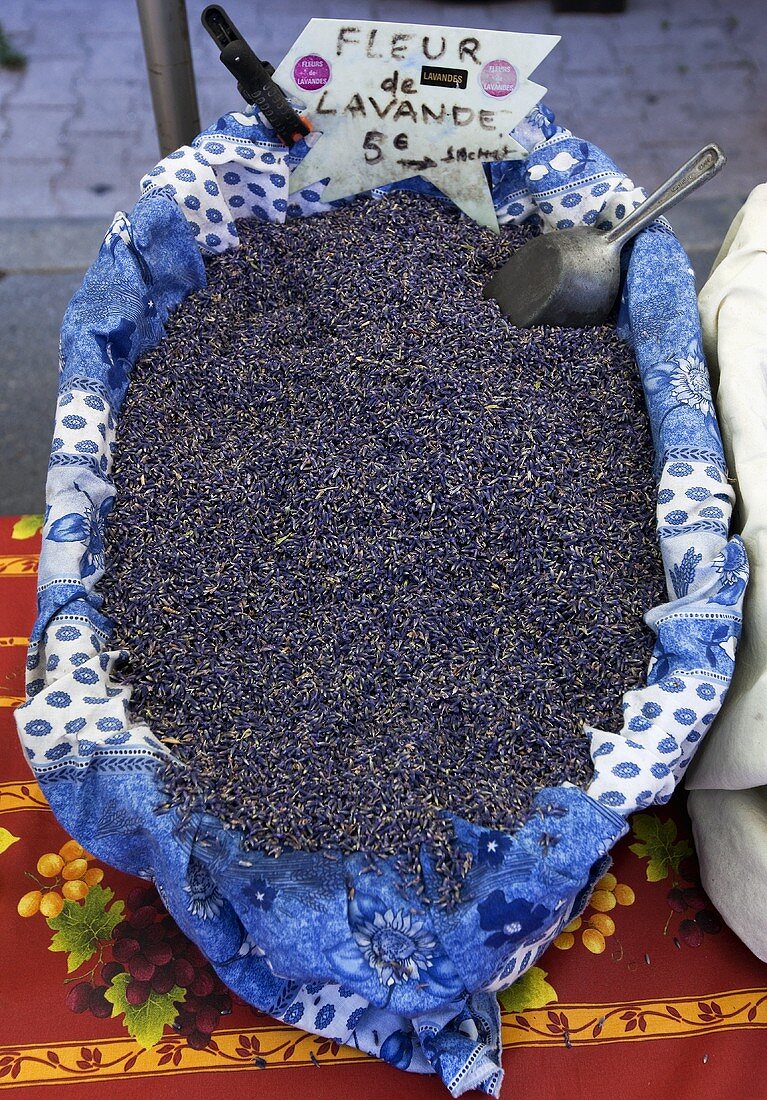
pixel 585 1025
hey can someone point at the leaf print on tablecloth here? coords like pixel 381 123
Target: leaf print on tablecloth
pixel 657 843
pixel 530 991
pixel 145 1022
pixel 634 1018
pixel 81 926
pixel 6 840
pixel 26 527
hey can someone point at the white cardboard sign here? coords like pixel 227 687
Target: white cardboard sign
pixel 396 100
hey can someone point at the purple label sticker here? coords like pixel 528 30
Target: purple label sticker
pixel 498 78
pixel 311 72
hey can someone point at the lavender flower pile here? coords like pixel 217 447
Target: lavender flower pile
pixel 376 554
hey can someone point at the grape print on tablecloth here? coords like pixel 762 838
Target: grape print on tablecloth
pixel 668 855
pixel 127 958
pixel 688 899
pixel 71 879
pixel 595 924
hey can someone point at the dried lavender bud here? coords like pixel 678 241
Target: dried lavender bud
pixel 377 554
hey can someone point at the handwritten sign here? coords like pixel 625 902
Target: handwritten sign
pixel 395 100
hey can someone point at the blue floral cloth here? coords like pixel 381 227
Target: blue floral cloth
pixel 340 945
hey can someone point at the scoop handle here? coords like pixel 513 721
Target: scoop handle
pixel 698 170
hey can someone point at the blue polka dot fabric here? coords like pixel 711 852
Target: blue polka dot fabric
pixel 224 175
pixel 303 937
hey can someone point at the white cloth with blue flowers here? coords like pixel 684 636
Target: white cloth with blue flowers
pixel 728 803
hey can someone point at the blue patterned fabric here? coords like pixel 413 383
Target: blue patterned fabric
pixel 340 946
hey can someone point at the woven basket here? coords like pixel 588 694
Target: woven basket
pixel 302 958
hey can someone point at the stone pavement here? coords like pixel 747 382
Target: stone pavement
pixel 650 86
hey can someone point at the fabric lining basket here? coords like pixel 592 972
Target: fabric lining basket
pixel 303 958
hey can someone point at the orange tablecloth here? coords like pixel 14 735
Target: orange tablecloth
pixel 650 995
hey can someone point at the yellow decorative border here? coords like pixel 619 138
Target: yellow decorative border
pixel 11 700
pixel 9 642
pixel 280 1046
pixel 22 796
pixel 584 1024
pixel 18 565
pixel 106 1059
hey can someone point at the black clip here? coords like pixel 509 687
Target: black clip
pixel 254 77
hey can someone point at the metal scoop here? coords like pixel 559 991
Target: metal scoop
pixel 572 277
